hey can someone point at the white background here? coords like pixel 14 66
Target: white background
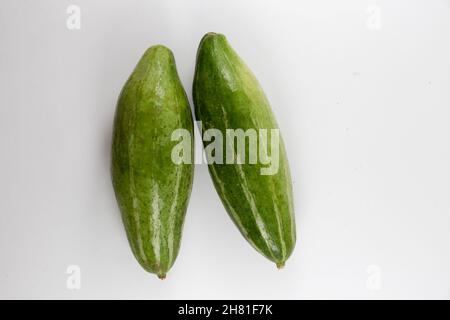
pixel 361 90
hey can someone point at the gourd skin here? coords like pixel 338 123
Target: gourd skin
pixel 228 96
pixel 152 191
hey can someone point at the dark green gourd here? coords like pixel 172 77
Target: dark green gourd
pixel 228 96
pixel 152 191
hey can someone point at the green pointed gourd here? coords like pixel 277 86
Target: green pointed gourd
pixel 258 198
pixel 151 189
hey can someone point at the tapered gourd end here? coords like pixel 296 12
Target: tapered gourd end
pixel 212 36
pixel 280 265
pixel 162 276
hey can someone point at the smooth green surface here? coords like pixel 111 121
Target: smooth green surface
pixel 228 96
pixel 152 191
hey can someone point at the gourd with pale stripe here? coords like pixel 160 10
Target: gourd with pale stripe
pixel 152 191
pixel 228 96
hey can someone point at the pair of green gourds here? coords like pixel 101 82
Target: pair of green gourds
pixel 153 191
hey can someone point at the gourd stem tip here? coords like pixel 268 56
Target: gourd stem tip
pixel 162 276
